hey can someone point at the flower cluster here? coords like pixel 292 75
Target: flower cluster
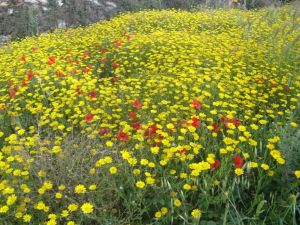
pixel 182 105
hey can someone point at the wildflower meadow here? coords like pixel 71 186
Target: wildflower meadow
pixel 154 117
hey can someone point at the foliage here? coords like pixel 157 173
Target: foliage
pixel 29 19
pixel 154 117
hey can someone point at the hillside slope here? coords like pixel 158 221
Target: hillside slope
pixel 154 117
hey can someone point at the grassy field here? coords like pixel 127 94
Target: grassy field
pixel 154 117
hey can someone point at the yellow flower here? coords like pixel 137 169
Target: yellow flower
pixel 109 144
pixel 254 126
pixel 140 184
pixel 52 216
pixel 21 132
pixel 71 223
pixel 187 187
pixel 293 124
pixel 150 180
pixel 113 170
pixel 170 126
pixel 280 160
pixel 64 213
pixel 242 128
pixel 164 210
pixel 196 213
pixel 51 222
pixel 27 218
pixel 172 172
pixel 18 215
pixel 56 149
pixel 92 187
pixel 4 209
pixel 264 166
pixel 11 199
pixel 40 205
pixel 216 182
pixel 177 202
pixel 72 207
pixel 151 165
pixel 136 171
pixel 253 164
pixel 263 122
pixel 154 150
pixel 158 215
pixel 48 185
pixel 58 195
pixel 239 171
pixel 61 187
pixel 80 189
pixel 87 208
pixel 297 174
pixel 270 173
pixel 41 173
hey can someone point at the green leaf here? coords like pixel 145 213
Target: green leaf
pixel 259 208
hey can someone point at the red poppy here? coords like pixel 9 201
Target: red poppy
pixel 137 104
pixel 9 83
pixel 153 128
pixel 235 121
pixel 118 43
pixel 103 60
pixel 122 136
pixel 238 161
pixel 136 125
pixel 132 115
pixel 89 117
pixel 156 144
pixel 74 71
pixel 79 91
pixel 33 49
pixel 23 58
pixel 115 79
pixel 223 120
pixel 93 94
pixel 160 137
pixel 60 74
pixel 196 122
pixel 12 93
pixel 149 132
pixel 85 70
pixel 261 80
pixel 215 165
pixel 24 82
pixel 216 128
pixel 103 50
pixel 104 131
pixel 85 54
pixel 196 104
pixel 51 60
pixel 115 64
pixel 29 75
pixel 181 151
pixel 128 37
